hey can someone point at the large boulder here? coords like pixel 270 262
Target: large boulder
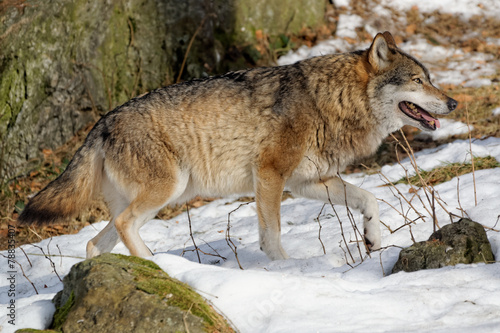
pixel 464 242
pixel 65 63
pixel 116 293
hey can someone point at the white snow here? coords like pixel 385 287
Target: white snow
pixel 465 8
pixel 325 47
pixel 314 291
pixel 341 3
pixel 496 111
pixel 347 24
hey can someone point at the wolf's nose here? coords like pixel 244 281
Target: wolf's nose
pixel 452 104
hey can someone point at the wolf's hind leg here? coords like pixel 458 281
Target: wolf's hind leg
pixel 340 193
pixel 269 189
pixel 149 200
pixel 130 221
pixel 107 238
pixel 104 242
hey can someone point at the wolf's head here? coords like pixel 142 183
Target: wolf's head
pixel 401 92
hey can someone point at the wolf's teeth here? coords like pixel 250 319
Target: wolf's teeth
pixel 431 122
pixel 411 106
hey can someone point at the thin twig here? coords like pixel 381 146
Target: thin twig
pixel 137 78
pixel 353 222
pixel 29 261
pixel 345 253
pixel 493 228
pixel 189 47
pixel 217 254
pixel 471 155
pixel 334 210
pixel 202 252
pixel 22 270
pixel 36 234
pixel 427 188
pixel 341 227
pixel 411 234
pixel 401 195
pixel 406 224
pixel 60 254
pixel 320 227
pixel 409 152
pixel 184 318
pixel 229 241
pixel 413 162
pixel 191 234
pixel 48 258
pixel 385 225
pixel 433 206
pixel 381 264
pixel 458 196
pixel 131 28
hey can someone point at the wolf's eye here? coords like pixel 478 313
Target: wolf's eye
pixel 417 80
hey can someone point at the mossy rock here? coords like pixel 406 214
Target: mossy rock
pixel 65 63
pixel 117 293
pixel 464 242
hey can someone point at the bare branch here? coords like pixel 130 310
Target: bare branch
pixel 320 227
pixel 191 234
pixel 471 155
pixel 48 258
pixel 22 270
pixel 229 241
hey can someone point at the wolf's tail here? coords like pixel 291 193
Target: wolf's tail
pixel 72 191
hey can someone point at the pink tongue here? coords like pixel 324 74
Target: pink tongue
pixel 429 118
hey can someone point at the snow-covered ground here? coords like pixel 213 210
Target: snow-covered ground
pixel 314 291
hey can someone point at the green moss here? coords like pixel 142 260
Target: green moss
pixel 62 312
pixel 447 172
pixel 152 280
pixel 139 261
pixel 12 95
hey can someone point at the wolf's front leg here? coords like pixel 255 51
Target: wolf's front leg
pixel 340 192
pixel 269 189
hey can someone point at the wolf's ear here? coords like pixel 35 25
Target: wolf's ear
pixel 381 52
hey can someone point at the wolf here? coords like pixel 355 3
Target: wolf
pixel 258 130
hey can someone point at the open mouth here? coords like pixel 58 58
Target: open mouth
pixel 416 112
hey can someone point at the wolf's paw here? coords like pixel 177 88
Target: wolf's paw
pixel 92 250
pixel 371 247
pixel 372 241
pixel 276 253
